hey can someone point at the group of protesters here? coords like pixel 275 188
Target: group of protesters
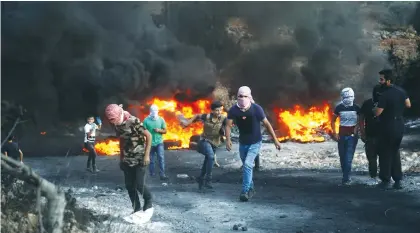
pixel 379 122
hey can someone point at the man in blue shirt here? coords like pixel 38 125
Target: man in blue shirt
pixel 248 117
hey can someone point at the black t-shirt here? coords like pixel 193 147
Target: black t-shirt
pixel 12 149
pixel 248 123
pixel 393 103
pixel 371 123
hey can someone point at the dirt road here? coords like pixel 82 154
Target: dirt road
pixel 288 199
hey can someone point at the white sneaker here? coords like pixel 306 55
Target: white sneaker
pixel 372 181
pixel 140 217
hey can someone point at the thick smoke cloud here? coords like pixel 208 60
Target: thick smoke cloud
pixel 64 60
pixel 299 53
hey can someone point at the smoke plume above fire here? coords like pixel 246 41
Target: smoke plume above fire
pixel 64 60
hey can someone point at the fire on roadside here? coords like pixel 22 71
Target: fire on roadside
pixel 309 125
pixel 171 110
pixel 303 125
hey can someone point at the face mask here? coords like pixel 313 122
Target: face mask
pixel 244 103
pixel 154 114
pixel 121 120
pixel 347 97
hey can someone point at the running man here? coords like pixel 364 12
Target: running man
pixel 213 124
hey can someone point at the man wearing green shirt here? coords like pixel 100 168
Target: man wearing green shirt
pixel 156 126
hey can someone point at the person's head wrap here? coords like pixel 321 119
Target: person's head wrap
pixel 347 96
pixel 116 114
pixel 245 101
pixel 154 112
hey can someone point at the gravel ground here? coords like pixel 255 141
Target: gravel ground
pixel 297 191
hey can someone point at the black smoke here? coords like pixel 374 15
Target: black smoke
pixel 300 52
pixel 65 60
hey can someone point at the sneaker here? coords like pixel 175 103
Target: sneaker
pixel 88 169
pixel 397 185
pixel 163 178
pixel 152 174
pixel 244 197
pixel 372 181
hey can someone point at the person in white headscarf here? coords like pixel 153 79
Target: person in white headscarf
pixel 347 136
pixel 248 117
pixel 156 125
pixel 243 104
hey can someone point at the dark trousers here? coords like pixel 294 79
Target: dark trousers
pixel 135 181
pixel 90 146
pixel 346 148
pixel 389 153
pixel 208 150
pixel 372 153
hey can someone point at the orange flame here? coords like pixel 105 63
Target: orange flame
pixel 303 126
pixel 43 133
pixel 306 126
pixel 108 147
pixel 170 110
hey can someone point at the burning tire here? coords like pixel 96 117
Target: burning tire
pixel 172 144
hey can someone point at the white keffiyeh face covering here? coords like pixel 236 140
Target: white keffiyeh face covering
pixel 154 112
pixel 347 97
pixel 245 99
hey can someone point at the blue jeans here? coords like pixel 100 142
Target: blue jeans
pixel 346 148
pixel 159 151
pixel 248 153
pixel 208 150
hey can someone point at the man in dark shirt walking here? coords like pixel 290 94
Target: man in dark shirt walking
pixel 248 117
pixel 390 111
pixel 369 131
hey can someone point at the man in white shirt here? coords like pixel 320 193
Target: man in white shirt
pixel 90 133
